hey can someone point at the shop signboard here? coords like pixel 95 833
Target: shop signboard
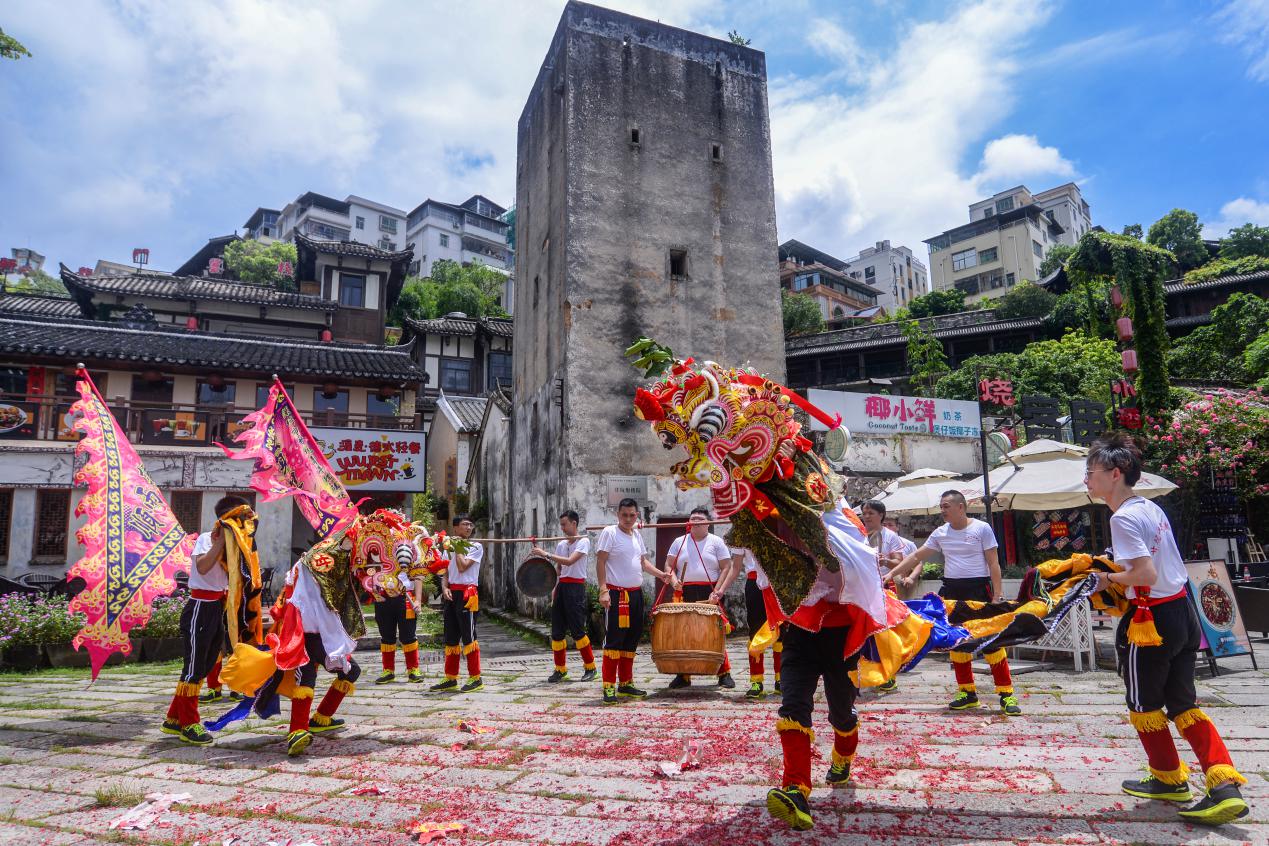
pixel 374 459
pixel 882 414
pixel 18 420
pixel 1224 632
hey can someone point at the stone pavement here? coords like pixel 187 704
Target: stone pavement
pixel 560 768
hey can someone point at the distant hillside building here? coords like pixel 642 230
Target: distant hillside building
pixel 1006 240
pixel 826 279
pixel 472 232
pixel 896 274
pixel 324 218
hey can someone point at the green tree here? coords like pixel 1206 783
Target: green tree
pixel 1246 240
pixel 37 282
pixel 257 262
pixel 1139 271
pixel 11 48
pixel 1025 300
pixel 948 301
pixel 1217 350
pixel 475 290
pixel 736 38
pixel 1133 230
pixel 1085 307
pixel 1180 233
pixel 1256 361
pixel 1074 367
pixel 802 315
pixel 1058 254
pixel 926 360
pixel 1217 268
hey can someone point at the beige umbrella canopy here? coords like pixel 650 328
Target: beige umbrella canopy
pixel 1047 475
pixel 919 492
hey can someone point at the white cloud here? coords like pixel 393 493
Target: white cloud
pixel 1245 23
pixel 1017 157
pixel 886 159
pixel 1235 213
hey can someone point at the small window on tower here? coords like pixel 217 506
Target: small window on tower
pixel 678 264
pixel 716 152
pixel 634 135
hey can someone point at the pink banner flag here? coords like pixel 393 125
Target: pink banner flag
pixel 290 463
pixel 133 544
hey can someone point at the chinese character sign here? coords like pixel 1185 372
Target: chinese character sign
pixel 880 414
pixel 996 392
pixel 215 266
pixel 374 459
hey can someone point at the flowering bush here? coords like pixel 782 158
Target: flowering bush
pixel 1225 432
pixel 37 621
pixel 165 617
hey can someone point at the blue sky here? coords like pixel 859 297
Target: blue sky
pixel 161 123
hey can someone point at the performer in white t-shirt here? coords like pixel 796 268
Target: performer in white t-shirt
pixel 621 559
pixel 700 571
pixel 1158 644
pixel 460 600
pixel 568 602
pixel 971 571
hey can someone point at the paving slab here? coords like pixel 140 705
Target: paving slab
pixel 555 766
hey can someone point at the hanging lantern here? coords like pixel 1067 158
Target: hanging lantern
pixel 152 376
pixel 327 336
pixel 216 382
pixel 1116 297
pixel 386 393
pixel 191 323
pixel 330 390
pixel 1124 327
pixel 1129 358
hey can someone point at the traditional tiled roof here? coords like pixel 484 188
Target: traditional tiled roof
pixel 460 324
pixel 37 305
pixel 353 249
pixel 469 411
pixel 980 321
pixel 84 289
pixel 1181 286
pixel 99 341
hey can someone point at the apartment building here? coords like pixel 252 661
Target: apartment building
pixel 826 279
pixel 897 274
pixel 324 218
pixel 1064 205
pixel 471 232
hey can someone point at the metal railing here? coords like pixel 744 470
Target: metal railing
pixel 47 418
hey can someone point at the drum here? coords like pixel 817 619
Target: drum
pixel 536 577
pixel 688 638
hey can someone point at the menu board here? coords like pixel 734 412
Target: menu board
pixel 1213 598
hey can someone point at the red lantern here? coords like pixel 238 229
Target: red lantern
pixel 327 336
pixel 216 381
pixel 330 390
pixel 1124 326
pixel 1116 297
pixel 1129 358
pixel 191 323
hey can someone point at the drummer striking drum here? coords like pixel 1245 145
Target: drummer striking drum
pixel 700 567
pixel 568 601
pixel 621 559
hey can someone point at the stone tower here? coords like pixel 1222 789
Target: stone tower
pixel 644 206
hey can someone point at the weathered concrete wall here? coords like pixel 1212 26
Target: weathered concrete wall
pixel 598 217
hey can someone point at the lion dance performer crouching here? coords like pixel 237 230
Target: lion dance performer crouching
pixel 744 445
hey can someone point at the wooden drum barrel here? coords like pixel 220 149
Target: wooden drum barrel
pixel 688 638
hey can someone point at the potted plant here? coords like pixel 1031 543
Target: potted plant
pixel 58 627
pixel 19 635
pixel 160 638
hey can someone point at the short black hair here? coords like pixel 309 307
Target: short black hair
pixel 700 509
pixel 954 496
pixel 463 518
pixel 229 503
pixel 876 505
pixel 1117 451
pixel 628 503
pixel 570 514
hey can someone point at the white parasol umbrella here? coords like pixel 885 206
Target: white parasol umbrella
pixel 1048 475
pixel 919 492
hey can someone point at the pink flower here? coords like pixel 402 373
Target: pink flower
pixel 1204 430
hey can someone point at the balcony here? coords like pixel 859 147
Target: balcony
pixel 28 418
